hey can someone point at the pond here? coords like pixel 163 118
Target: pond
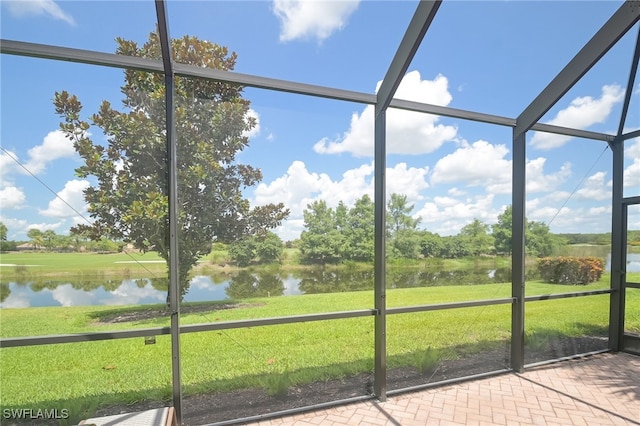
pixel 82 291
pixel 633 262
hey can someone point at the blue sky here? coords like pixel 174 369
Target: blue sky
pixel 491 57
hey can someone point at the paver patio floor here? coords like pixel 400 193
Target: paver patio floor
pixel 597 390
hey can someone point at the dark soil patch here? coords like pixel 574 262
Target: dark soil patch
pixel 153 313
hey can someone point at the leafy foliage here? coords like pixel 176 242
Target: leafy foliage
pixel 341 234
pixel 322 241
pixel 476 236
pixel 570 270
pixel 130 200
pixel 539 241
pixel 267 247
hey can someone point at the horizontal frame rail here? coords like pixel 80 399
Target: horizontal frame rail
pixel 448 382
pixel 13 342
pixel 630 201
pixel 453 305
pixel 631 135
pixel 565 358
pixel 567 295
pixel 293 411
pixel 632 285
pixel 67 54
pixel 228 325
pixel 191 328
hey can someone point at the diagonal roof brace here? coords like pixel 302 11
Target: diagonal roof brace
pixel 422 18
pixel 612 31
pixel 630 84
pixel 165 39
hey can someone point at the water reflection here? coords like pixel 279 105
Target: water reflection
pixel 82 291
pixel 59 293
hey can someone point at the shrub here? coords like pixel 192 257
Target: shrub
pixel 427 361
pixel 570 270
pixel 277 385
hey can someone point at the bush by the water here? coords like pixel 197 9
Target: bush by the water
pixel 570 270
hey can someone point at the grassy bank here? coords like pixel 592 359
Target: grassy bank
pixel 81 376
pixel 26 264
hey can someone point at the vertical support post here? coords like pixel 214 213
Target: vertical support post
pixel 172 190
pixel 174 273
pixel 618 231
pixel 518 222
pixel 380 346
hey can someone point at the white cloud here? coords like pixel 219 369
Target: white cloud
pixel 407 132
pixel 484 164
pixel 54 146
pixel 69 201
pixel 39 7
pixel 17 228
pixel 571 219
pixel 11 198
pixel 299 187
pixel 447 215
pixel 538 181
pixel 456 192
pixel 582 113
pixel 632 171
pixel 595 187
pixel 407 181
pixel 480 163
pixel 8 165
pixel 45 226
pixel 308 19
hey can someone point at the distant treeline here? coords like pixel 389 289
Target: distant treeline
pixel 633 238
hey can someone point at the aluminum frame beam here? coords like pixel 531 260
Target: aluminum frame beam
pixel 630 84
pixel 616 27
pixel 618 234
pixel 172 164
pixel 631 135
pixel 422 18
pixel 119 61
pixel 518 221
pixel 380 257
pixel 410 43
pixel 68 54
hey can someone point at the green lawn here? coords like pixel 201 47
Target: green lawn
pixel 81 376
pixel 41 263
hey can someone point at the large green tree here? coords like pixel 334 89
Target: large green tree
pixel 129 202
pixel 539 241
pixel 399 214
pixel 3 232
pixel 404 238
pixel 360 231
pixel 321 241
pixel 502 232
pixel 36 237
pixel 267 247
pixel 476 236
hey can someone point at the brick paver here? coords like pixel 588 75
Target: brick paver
pixel 598 390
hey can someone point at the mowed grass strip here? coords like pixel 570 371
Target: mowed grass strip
pixel 17 264
pixel 127 370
